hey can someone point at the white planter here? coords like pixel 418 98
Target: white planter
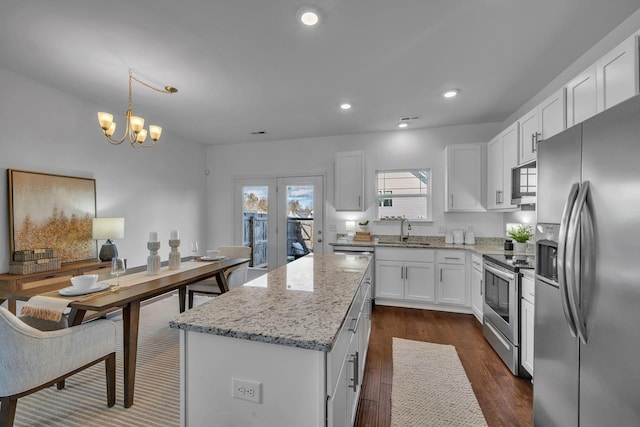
pixel 519 247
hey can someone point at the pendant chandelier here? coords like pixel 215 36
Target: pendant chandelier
pixel 134 125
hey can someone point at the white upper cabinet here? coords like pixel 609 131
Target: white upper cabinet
pixel 349 180
pixel 544 121
pixel 617 74
pixel 502 155
pixel 581 97
pixel 529 136
pixel 611 80
pixel 552 114
pixel 464 183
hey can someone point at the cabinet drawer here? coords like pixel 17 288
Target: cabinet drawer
pixel 451 257
pixel 63 280
pixel 528 289
pixel 405 254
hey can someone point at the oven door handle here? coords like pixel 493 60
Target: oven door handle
pixel 498 272
pixel 562 258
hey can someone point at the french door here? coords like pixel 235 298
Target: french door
pixel 281 219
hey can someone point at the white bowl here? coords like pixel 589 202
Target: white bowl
pixel 85 281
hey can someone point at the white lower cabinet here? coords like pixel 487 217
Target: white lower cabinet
pixel 405 274
pixel 346 362
pixel 477 296
pixel 527 305
pixel 452 271
pixel 422 278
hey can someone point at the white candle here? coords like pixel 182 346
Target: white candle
pixel 175 235
pixel 153 236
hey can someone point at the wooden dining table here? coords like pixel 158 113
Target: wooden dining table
pixel 139 287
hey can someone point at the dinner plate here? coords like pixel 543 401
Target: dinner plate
pixel 217 258
pixel 72 291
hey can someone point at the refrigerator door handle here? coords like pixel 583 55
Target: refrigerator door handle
pixel 562 257
pixel 581 214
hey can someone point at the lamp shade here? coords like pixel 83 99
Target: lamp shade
pixel 107 228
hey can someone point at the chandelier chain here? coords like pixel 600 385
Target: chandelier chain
pixel 143 83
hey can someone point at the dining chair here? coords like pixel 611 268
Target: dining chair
pixel 235 276
pixel 31 359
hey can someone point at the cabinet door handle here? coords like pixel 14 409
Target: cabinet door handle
pixel 354 325
pixel 497 197
pixel 534 141
pixel 354 360
pixel 441 274
pixel 402 272
pixel 481 287
pixel 451 201
pixel 359 201
pixel 406 272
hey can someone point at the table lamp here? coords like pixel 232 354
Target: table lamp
pixel 107 228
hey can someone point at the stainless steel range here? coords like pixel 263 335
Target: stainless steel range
pixel 501 324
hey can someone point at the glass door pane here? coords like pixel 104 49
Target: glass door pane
pixel 300 201
pixel 255 230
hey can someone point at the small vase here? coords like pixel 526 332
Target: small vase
pixel 519 247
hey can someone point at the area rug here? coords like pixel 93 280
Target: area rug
pixel 430 387
pixel 83 402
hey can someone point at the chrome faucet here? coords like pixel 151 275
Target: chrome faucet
pixel 404 238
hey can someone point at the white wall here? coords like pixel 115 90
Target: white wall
pixel 390 150
pixel 157 189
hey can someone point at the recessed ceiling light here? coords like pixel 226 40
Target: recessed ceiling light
pixel 309 16
pixel 451 93
pixel 403 124
pixel 345 106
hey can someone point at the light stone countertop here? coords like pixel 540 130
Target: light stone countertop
pixel 302 304
pixel 484 245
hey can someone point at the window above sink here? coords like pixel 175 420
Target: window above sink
pixel 404 193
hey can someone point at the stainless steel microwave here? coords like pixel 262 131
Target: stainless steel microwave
pixel 524 181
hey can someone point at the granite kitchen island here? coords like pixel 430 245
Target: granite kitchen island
pixel 288 348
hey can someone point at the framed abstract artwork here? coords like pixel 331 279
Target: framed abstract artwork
pixel 52 211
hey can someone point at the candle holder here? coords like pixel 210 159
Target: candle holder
pixel 153 260
pixel 174 255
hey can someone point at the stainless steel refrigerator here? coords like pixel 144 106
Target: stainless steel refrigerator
pixel 587 301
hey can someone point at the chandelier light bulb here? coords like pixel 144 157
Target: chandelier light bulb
pixel 111 130
pixel 142 135
pixel 137 123
pixel 155 132
pixel 105 120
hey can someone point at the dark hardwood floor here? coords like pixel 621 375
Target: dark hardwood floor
pixel 505 400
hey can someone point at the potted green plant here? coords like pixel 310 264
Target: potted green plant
pixel 520 235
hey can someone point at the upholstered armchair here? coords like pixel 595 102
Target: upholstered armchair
pixel 31 360
pixel 235 276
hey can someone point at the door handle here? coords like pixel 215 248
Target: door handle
pixel 355 379
pixel 575 270
pixel 562 256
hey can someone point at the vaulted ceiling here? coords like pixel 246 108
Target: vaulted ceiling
pixel 243 66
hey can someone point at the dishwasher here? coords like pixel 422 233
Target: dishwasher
pixel 361 249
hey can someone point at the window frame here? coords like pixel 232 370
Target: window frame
pixel 428 197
